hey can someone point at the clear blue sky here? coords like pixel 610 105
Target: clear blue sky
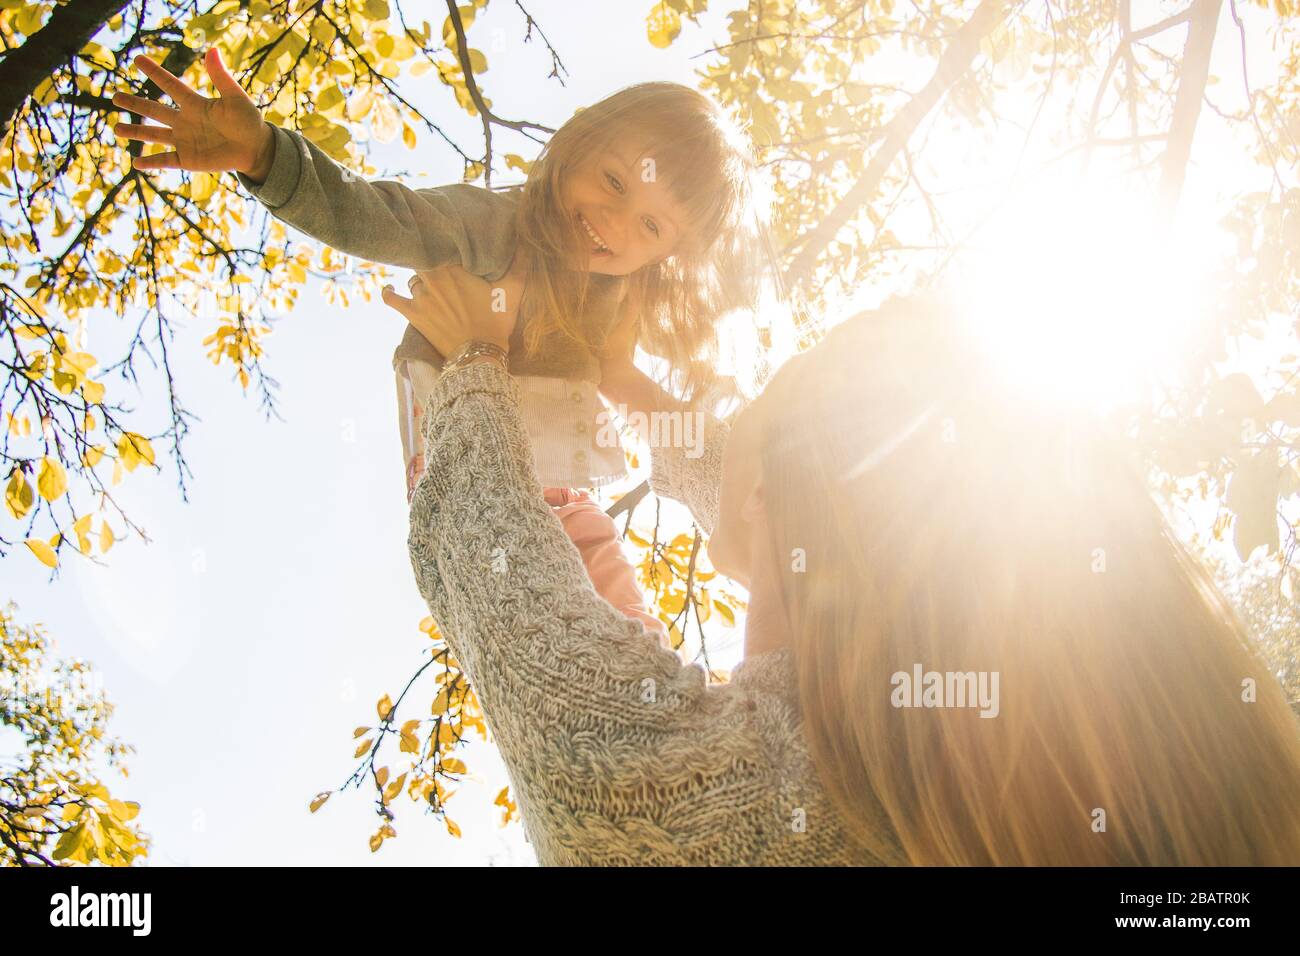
pixel 243 645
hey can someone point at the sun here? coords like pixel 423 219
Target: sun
pixel 1083 296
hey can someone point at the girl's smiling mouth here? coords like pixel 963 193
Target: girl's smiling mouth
pixel 601 249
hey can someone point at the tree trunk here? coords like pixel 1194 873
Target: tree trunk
pixel 64 34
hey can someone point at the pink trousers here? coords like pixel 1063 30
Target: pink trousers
pixel 596 537
pixel 601 547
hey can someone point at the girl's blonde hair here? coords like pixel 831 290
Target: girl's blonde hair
pixel 705 161
pixel 947 521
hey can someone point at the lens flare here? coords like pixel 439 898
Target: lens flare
pixel 1085 298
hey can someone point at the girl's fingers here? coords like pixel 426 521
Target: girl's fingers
pixel 173 86
pixel 142 106
pixel 225 83
pixel 170 160
pixel 145 133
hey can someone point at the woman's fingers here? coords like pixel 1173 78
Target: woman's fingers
pixel 146 133
pixel 173 86
pixel 142 106
pixel 171 160
pixel 396 300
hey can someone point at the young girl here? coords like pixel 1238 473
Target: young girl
pixel 639 208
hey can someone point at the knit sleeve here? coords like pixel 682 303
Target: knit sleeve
pixel 382 220
pixel 617 752
pixel 693 474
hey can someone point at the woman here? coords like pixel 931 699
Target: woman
pixel 896 513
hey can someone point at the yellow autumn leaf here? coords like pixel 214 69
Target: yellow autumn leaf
pixel 663 24
pixel 19 496
pixel 394 788
pixel 728 615
pixel 384 706
pixel 328 98
pixel 359 731
pixel 70 842
pixel 81 527
pixel 365 745
pixel 106 538
pixel 320 799
pixel 125 810
pixel 202 186
pixel 44 553
pixel 35 369
pixel 52 481
pixel 79 363
pixel 452 828
pixel 134 449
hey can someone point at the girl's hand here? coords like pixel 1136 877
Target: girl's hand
pixel 450 307
pixel 206 135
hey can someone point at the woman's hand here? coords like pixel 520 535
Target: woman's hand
pixel 450 307
pixel 206 135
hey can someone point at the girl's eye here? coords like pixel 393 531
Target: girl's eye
pixel 650 224
pixel 614 181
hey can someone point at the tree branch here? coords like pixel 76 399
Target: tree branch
pixel 471 84
pixel 954 63
pixel 69 28
pixel 1187 104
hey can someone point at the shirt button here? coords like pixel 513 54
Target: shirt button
pixel 580 428
pixel 577 397
pixel 580 456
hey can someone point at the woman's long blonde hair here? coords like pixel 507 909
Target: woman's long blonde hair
pixel 702 156
pixel 945 521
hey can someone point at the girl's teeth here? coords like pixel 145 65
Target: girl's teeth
pixel 600 246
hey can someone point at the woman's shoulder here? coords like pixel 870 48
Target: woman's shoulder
pixel 809 829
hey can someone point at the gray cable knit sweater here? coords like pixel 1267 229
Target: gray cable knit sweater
pixel 617 753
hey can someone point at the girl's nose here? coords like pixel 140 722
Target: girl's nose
pixel 613 226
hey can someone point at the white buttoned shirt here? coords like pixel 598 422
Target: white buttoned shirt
pixel 573 444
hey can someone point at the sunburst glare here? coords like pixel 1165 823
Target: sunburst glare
pixel 1083 297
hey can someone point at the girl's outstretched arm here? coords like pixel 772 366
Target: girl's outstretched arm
pixel 380 221
pixel 383 220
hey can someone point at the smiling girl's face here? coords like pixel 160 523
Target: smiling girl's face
pixel 623 210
